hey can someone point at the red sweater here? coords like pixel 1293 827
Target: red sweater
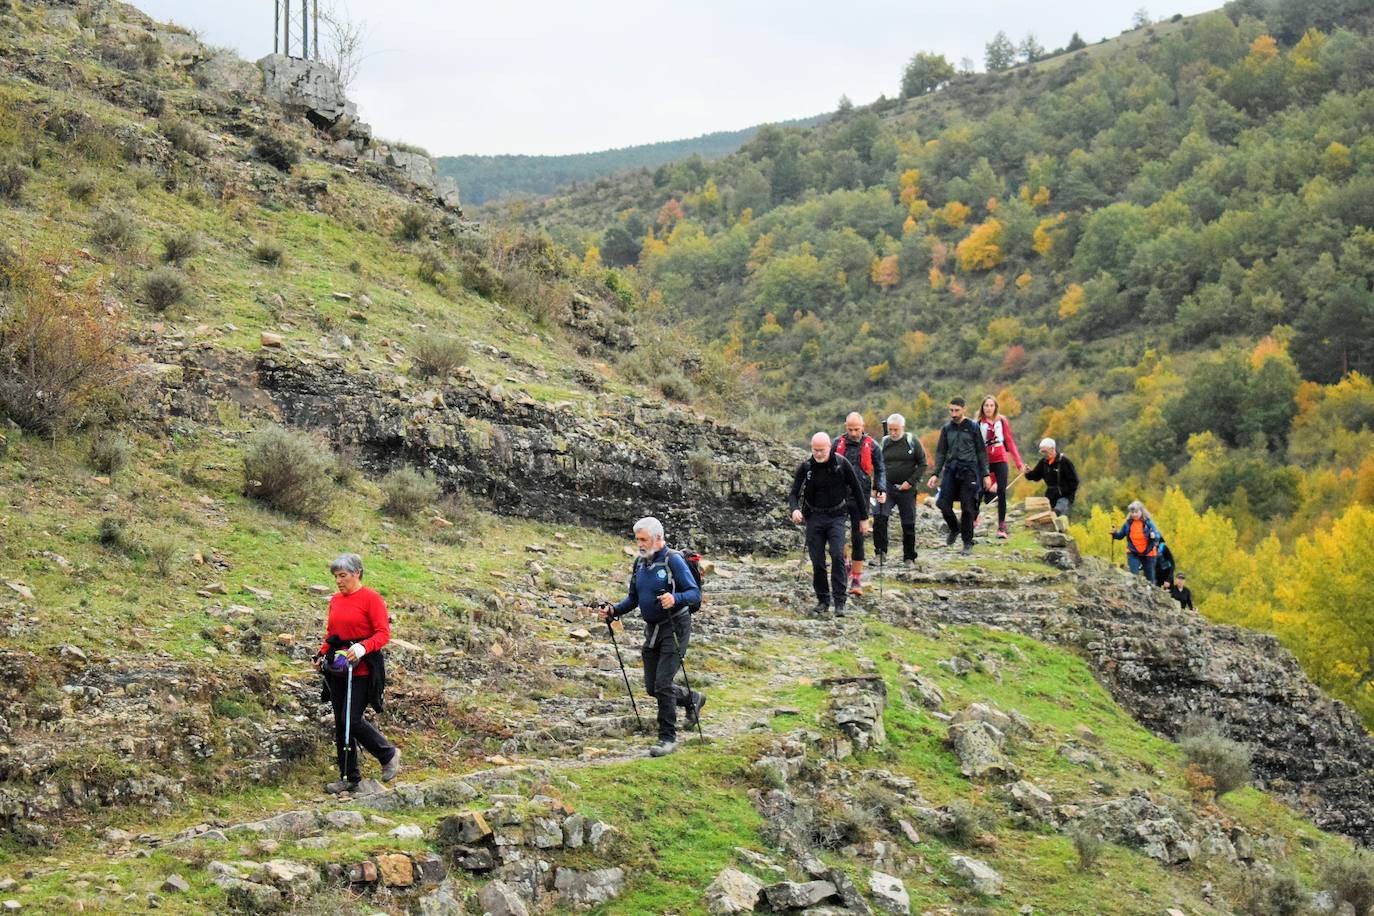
pixel 359 617
pixel 1000 443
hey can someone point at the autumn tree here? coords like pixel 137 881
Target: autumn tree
pixel 980 250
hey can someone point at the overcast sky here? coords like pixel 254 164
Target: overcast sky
pixel 538 76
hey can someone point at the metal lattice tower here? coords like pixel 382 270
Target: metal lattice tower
pixel 298 30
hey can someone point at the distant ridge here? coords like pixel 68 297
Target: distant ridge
pixel 487 178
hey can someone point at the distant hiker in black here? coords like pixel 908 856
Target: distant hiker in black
pixel 961 465
pixel 1061 480
pixel 663 590
pixel 906 463
pixel 1180 592
pixel 866 458
pixel 826 494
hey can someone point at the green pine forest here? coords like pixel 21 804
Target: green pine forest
pixel 1158 250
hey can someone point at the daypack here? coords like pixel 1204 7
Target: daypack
pixel 693 561
pixel 865 452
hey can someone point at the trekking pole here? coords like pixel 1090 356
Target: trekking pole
pixel 685 679
pixel 348 715
pixel 639 723
pixel 882 562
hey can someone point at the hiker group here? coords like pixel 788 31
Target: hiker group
pixel 853 482
pixel 846 485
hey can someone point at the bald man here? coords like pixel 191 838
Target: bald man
pixel 826 495
pixel 865 456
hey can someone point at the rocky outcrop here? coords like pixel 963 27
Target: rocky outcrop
pixel 1166 665
pixel 308 85
pixel 550 462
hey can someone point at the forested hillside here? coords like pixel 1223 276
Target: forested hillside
pixel 1157 250
pixel 488 178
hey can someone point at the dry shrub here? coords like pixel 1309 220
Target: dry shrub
pixel 289 471
pixel 438 356
pixel 61 353
pixel 406 491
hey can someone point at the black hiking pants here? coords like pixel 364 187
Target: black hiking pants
pixel 904 501
pixel 662 656
pixel 999 470
pixel 825 534
pixel 360 732
pixel 962 485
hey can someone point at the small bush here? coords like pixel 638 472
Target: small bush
pixel 1279 894
pixel 61 355
pixel 1226 761
pixel 13 177
pixel 161 550
pixel 700 462
pixel 113 231
pixel 179 246
pixel 289 471
pixel 465 518
pixel 966 823
pixel 268 253
pixel 675 386
pixel 81 188
pixel 277 151
pixel 438 356
pixel 414 223
pixel 433 270
pixel 163 288
pixel 1089 846
pixel 186 138
pixel 114 534
pixel 1350 879
pixel 406 491
pixel 110 453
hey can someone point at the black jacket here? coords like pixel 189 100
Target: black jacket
pixel 1184 596
pixel 961 442
pixel 853 453
pixel 830 488
pixel 1061 480
pixel 905 460
pixel 376 676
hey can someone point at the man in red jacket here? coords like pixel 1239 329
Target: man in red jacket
pixel 358 626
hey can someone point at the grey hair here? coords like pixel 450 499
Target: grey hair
pixel 1144 513
pixel 1047 443
pixel 651 525
pixel 349 563
pixel 898 419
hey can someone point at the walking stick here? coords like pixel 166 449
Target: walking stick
pixel 639 723
pixel 686 680
pixel 348 717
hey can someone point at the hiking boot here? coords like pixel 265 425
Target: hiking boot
pixel 392 767
pixel 909 562
pixel 1002 531
pixel 821 610
pixel 698 700
pixel 856 588
pixel 951 537
pixel 967 551
pixel 341 785
pixel 840 611
pixel 663 749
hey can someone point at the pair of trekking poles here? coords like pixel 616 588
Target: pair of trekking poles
pixel 639 723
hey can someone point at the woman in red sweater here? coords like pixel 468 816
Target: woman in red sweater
pixel 996 432
pixel 358 627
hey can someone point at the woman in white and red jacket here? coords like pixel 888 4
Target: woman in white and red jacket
pixel 358 626
pixel 996 432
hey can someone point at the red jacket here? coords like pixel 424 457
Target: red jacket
pixel 359 617
pixel 1000 443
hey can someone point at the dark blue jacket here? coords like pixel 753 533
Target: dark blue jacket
pixel 650 579
pixel 1153 539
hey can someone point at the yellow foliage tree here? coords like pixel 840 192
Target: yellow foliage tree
pixel 1262 50
pixel 1048 234
pixel 885 272
pixel 909 226
pixel 710 197
pixel 1008 403
pixel 1337 161
pixel 1328 590
pixel 914 345
pixel 910 184
pixel 592 258
pixel 937 278
pixel 1202 544
pixel 1024 280
pixel 1071 303
pixel 980 249
pixel 652 245
pixel 878 372
pixel 954 214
